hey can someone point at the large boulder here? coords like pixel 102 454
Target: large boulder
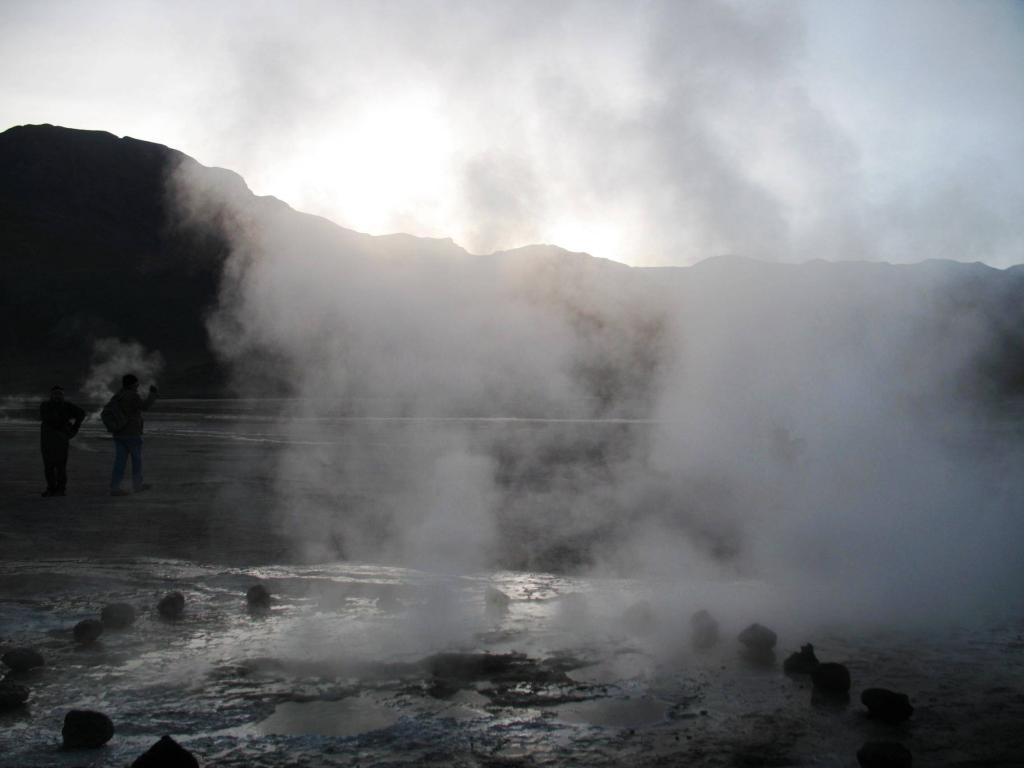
pixel 166 753
pixel 23 659
pixel 86 729
pixel 87 632
pixel 831 678
pixel 803 662
pixel 258 598
pixel 704 630
pixel 117 616
pixel 884 754
pixel 758 638
pixel 12 696
pixel 171 605
pixel 888 706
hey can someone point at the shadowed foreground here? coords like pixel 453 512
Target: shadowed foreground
pixel 344 668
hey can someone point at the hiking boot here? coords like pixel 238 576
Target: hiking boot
pixel 119 492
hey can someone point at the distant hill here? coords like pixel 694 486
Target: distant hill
pixel 88 252
pixel 91 248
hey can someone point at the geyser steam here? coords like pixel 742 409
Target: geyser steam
pixel 813 427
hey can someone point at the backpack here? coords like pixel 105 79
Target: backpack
pixel 113 416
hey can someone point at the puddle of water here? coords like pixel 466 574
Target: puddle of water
pixel 345 717
pixel 615 713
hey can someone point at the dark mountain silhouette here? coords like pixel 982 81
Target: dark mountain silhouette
pixel 92 248
pixel 89 252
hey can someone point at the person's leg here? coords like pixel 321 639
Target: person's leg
pixel 136 450
pixel 60 469
pixel 48 470
pixel 120 459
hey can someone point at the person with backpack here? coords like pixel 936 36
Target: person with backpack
pixel 60 422
pixel 122 417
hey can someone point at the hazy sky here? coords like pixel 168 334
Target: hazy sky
pixel 648 132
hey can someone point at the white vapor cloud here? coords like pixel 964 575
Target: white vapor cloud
pixel 651 133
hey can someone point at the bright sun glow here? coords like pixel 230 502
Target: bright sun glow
pixel 384 169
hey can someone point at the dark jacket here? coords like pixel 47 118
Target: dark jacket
pixel 60 418
pixel 132 404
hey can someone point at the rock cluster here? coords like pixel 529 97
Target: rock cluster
pixel 86 729
pixel 759 644
pixel 12 696
pixel 888 706
pixel 23 659
pixel 831 678
pixel 88 631
pixel 166 753
pixel 171 605
pixel 803 662
pixel 258 598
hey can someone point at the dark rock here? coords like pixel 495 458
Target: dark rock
pixel 171 605
pixel 831 678
pixel 758 638
pixel 803 662
pixel 166 753
pixel 888 706
pixel 117 616
pixel 12 696
pixel 23 659
pixel 884 754
pixel 496 601
pixel 258 598
pixel 88 631
pixel 705 630
pixel 86 729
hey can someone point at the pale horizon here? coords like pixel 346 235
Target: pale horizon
pixel 655 135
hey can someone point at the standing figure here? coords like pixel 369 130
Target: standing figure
pixel 60 422
pixel 127 407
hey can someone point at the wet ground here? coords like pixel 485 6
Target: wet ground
pixel 366 664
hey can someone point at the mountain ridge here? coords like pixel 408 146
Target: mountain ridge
pixel 92 248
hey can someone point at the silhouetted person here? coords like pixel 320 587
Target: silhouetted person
pixel 60 422
pixel 128 438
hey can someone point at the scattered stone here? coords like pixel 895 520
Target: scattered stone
pixel 640 618
pixel 888 706
pixel 117 616
pixel 884 754
pixel 803 662
pixel 171 605
pixel 23 659
pixel 166 753
pixel 258 598
pixel 496 600
pixel 831 678
pixel 12 696
pixel 758 638
pixel 86 729
pixel 705 630
pixel 88 631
